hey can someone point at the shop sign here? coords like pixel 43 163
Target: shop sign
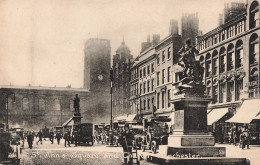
pixel 252 83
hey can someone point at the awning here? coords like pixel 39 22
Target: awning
pixel 248 111
pixel 69 122
pixel 216 114
pixel 120 118
pixel 131 118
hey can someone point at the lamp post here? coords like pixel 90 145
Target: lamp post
pixel 7 109
pixel 111 110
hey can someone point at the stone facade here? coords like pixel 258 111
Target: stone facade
pixel 35 107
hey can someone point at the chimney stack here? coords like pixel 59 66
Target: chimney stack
pixel 173 27
pixel 156 39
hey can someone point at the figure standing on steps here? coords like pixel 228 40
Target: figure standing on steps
pixel 76 104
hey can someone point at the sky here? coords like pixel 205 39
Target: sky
pixel 42 42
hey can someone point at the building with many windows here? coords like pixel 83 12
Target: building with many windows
pixel 230 56
pixel 122 62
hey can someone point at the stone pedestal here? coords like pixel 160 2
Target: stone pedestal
pixel 190 135
pixel 77 119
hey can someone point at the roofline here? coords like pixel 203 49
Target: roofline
pixel 43 88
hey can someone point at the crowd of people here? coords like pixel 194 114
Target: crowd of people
pixel 239 137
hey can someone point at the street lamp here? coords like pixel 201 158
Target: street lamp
pixel 111 110
pixel 7 110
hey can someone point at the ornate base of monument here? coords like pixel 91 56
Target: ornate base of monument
pixel 77 119
pixel 190 135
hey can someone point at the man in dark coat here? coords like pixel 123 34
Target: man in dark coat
pixel 126 140
pixel 51 136
pixel 40 135
pixel 58 137
pixel 67 138
pixel 30 139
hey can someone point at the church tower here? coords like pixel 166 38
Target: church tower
pixel 97 65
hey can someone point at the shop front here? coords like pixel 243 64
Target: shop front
pixel 248 117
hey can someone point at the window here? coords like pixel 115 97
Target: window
pixel 152 66
pixel 223 33
pixel 215 39
pixel 148 103
pixel 148 86
pixel 215 63
pixel 57 104
pixel 158 59
pixel 152 102
pixel 222 60
pixel 158 100
pixel 152 84
pixel 239 89
pixel 254 15
pixel 208 88
pixel 169 98
pixel 253 49
pixel 158 78
pixel 144 71
pixel 208 65
pixel 163 96
pixel 163 56
pixel 222 92
pixel 169 52
pixel 230 91
pixel 239 54
pixel 25 104
pixel 202 63
pixel 41 104
pixel 230 58
pixel 140 89
pixel 136 89
pixel 144 104
pixel 230 32
pixel 140 105
pixel 144 88
pixel 148 70
pixel 163 76
pixel 253 86
pixel 141 73
pixel 215 94
pixel 169 74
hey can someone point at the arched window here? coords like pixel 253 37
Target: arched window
pixel 215 62
pixel 254 15
pixel 208 65
pixel 239 54
pixel 57 104
pixel 41 104
pixel 215 91
pixel 25 104
pixel 230 57
pixel 222 60
pixel 253 49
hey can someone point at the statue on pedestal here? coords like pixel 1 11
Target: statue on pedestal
pixel 76 101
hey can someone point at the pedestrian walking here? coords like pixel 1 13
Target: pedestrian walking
pixel 30 139
pixel 126 141
pixel 77 138
pixel 235 138
pixel 67 138
pixel 51 136
pixel 40 135
pixel 58 137
pixel 247 139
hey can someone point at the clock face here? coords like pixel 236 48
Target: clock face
pixel 100 77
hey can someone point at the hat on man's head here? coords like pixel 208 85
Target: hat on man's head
pixel 127 125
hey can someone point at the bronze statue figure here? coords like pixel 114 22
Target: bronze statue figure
pixel 192 70
pixel 76 104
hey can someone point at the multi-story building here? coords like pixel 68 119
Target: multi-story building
pixel 230 56
pixel 166 55
pixel 122 61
